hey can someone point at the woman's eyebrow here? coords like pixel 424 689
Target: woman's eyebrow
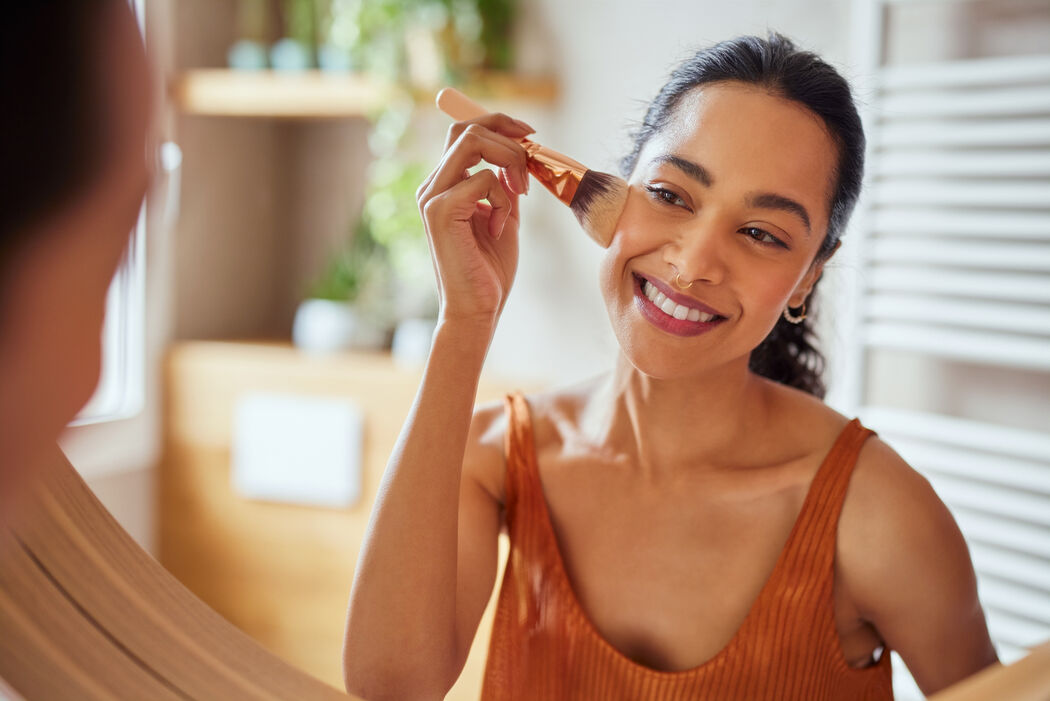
pixel 759 200
pixel 694 170
pixel 771 200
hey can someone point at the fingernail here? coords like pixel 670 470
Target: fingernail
pixel 524 126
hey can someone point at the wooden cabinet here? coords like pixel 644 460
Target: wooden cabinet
pixel 280 572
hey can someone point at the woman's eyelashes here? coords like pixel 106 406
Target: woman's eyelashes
pixel 666 196
pixel 763 237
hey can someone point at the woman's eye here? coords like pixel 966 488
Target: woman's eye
pixel 666 196
pixel 762 236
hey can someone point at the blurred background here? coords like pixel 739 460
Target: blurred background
pixel 265 336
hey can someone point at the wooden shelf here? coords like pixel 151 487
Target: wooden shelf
pixel 321 95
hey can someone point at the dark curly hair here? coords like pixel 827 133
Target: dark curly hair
pixel 789 354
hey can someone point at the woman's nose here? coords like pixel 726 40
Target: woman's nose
pixel 698 255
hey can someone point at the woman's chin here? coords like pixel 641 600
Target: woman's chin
pixel 659 363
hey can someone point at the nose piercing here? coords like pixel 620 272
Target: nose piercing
pixel 678 282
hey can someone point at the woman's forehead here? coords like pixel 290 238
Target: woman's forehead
pixel 739 130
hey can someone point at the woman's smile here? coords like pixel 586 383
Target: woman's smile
pixel 669 311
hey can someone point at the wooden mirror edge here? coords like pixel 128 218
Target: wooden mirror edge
pixel 78 596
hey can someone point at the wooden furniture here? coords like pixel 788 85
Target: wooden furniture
pixel 281 573
pixel 86 614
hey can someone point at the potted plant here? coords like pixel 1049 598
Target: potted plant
pixel 294 52
pixel 348 305
pixel 248 53
pixel 391 206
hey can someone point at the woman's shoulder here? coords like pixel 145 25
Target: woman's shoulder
pixel 553 414
pixel 892 514
pixel 547 409
pixel 800 424
pixel 900 556
pixel 879 473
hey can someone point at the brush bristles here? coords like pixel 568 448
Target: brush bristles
pixel 598 203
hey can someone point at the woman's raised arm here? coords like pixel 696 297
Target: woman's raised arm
pixel 428 560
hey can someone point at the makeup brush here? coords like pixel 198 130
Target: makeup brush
pixel 597 199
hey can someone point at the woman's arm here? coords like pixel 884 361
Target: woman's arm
pixel 907 568
pixel 428 559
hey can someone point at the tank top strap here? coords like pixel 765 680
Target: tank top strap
pixel 817 526
pixel 519 449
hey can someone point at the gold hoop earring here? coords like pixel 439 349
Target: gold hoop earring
pixel 678 282
pixel 793 318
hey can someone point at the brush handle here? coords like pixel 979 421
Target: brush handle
pixel 458 106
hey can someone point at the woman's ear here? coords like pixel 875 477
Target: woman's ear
pixel 812 276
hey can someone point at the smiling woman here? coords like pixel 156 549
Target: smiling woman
pixel 820 96
pixel 696 523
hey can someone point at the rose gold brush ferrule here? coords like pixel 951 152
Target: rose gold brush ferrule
pixel 557 172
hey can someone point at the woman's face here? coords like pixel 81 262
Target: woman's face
pixel 733 195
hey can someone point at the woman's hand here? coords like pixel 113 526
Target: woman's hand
pixel 474 244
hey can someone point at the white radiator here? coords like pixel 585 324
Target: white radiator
pixel 951 247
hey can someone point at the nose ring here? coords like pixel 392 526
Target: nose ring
pixel 678 282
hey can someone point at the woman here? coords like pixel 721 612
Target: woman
pixel 74 173
pixel 697 523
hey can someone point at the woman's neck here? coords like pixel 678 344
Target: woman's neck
pixel 664 426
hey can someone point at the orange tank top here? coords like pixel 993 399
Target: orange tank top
pixel 545 648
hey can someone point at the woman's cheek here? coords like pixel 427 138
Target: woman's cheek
pixel 771 293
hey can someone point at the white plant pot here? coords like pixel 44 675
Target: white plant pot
pixel 412 340
pixel 325 326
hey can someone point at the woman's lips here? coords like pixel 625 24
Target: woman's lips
pixel 676 297
pixel 676 314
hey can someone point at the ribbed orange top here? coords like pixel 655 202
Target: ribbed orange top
pixel 545 648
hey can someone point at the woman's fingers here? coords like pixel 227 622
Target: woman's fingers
pixel 483 214
pixel 459 203
pixel 496 128
pixel 496 122
pixel 465 216
pixel 475 144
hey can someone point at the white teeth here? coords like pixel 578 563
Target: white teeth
pixel 669 307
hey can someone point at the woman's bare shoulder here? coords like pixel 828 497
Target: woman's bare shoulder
pixel 484 457
pixel 907 569
pixel 887 498
pixel 898 539
pixel 801 423
pixel 554 415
